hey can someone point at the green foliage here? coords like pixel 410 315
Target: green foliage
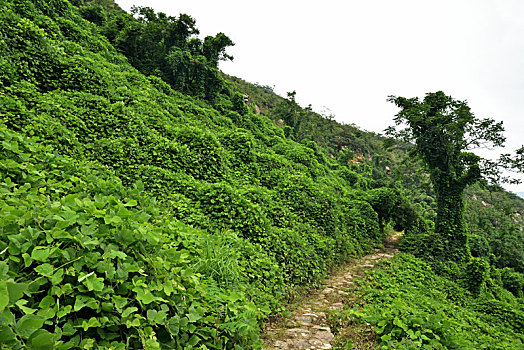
pixel 161 211
pixel 142 217
pixel 404 327
pixel 510 315
pixel 238 104
pixel 477 273
pixel 443 130
pixel 390 205
pixel 512 281
pixel 407 314
pixel 495 218
pixel 80 253
pixel 165 46
pixel 362 219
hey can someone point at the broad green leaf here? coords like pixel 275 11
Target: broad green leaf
pixel 92 323
pixel 64 311
pixel 161 317
pixel 129 311
pixel 152 344
pixel 16 290
pixel 193 340
pixel 147 298
pixel 411 334
pixel 41 340
pixel 116 253
pixel 65 223
pixel 68 329
pixel 28 324
pixel 131 203
pixel 168 288
pixel 85 301
pixel 173 325
pixel 6 335
pixel 195 313
pixel 151 314
pixel 82 278
pixel 112 220
pixel 94 283
pixel 4 295
pixel 27 310
pixel 45 270
pixel 57 277
pixel 41 253
pixel 135 322
pixel 27 259
pixel 119 302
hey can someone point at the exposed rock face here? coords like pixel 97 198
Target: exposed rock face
pixel 307 327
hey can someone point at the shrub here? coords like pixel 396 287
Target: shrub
pixel 476 275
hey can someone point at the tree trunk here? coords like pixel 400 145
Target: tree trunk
pixel 450 226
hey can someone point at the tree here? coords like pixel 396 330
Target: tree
pixel 444 131
pixel 514 163
pixel 214 49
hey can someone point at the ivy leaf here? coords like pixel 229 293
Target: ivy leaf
pixel 116 253
pixel 84 301
pixel 195 313
pixel 6 335
pixel 11 146
pixel 25 309
pixel 45 270
pixel 57 277
pixel 28 324
pixel 131 203
pixel 152 344
pixel 64 311
pixel 168 288
pixel 193 340
pixel 147 298
pixel 173 325
pixel 94 283
pixel 129 311
pixel 92 323
pixel 42 340
pixel 4 295
pixel 116 220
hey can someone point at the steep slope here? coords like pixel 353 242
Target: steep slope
pixel 145 205
pixel 243 217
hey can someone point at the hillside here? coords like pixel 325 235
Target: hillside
pixel 144 204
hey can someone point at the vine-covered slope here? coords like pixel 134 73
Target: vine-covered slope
pixel 143 204
pixel 137 216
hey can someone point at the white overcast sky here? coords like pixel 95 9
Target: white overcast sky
pixel 348 56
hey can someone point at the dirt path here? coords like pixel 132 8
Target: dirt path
pixel 308 327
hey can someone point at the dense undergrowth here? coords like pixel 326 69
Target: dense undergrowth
pixel 136 216
pixel 413 308
pixel 145 205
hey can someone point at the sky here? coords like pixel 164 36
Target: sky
pixel 346 57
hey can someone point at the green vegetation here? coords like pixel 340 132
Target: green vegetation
pixel 443 130
pixel 144 204
pixel 407 314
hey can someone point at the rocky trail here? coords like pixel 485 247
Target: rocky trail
pixel 308 326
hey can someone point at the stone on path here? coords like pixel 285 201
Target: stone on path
pixel 309 328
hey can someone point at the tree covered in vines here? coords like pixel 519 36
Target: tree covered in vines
pixel 445 131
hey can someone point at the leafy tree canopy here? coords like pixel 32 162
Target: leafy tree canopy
pixel 445 131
